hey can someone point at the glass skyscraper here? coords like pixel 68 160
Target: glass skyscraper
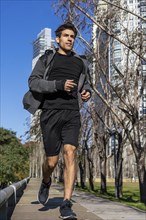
pixel 43 42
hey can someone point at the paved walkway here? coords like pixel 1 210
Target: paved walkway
pixel 86 206
pixel 28 207
pixel 106 209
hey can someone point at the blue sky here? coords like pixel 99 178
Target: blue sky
pixel 21 21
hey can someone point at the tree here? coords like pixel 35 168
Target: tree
pixel 87 148
pixel 35 143
pixel 126 85
pixel 14 158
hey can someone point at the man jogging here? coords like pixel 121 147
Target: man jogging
pixel 60 117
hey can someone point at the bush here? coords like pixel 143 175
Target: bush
pixel 14 158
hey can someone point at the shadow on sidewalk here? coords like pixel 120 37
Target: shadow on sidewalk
pixel 52 203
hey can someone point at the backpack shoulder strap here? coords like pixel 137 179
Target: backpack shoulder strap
pixel 47 58
pixel 49 55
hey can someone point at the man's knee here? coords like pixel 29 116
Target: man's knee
pixel 52 161
pixel 69 151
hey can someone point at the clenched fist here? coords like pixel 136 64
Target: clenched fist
pixel 69 85
pixel 85 95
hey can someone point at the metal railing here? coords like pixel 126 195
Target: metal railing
pixel 9 197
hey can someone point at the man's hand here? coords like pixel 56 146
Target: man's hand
pixel 85 95
pixel 69 85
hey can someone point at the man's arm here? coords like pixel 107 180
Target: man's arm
pixel 38 84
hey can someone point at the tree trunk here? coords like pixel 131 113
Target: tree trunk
pixel 61 166
pixel 102 159
pixel 91 182
pixel 141 170
pixel 91 165
pixel 119 167
pixel 103 188
pixel 82 176
pixel 119 179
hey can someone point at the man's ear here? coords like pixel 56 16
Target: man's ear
pixel 57 40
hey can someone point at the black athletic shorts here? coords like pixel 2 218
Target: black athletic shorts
pixel 59 127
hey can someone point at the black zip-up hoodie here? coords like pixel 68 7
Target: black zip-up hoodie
pixel 39 84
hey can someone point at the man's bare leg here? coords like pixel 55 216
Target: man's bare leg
pixel 69 170
pixel 48 167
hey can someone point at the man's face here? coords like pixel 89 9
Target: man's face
pixel 66 40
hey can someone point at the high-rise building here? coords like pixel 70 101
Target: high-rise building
pixel 128 28
pixel 132 30
pixel 43 42
pixel 40 45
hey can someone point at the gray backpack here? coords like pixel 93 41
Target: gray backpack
pixel 32 101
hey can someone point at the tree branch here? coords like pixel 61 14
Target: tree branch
pixel 124 9
pixel 107 32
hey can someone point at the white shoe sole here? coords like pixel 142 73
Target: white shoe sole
pixel 41 202
pixel 68 217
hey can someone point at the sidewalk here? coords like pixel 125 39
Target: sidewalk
pixel 106 209
pixel 86 206
pixel 28 207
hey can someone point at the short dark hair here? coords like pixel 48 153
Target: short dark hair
pixel 65 26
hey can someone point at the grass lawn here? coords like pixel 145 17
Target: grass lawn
pixel 130 194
